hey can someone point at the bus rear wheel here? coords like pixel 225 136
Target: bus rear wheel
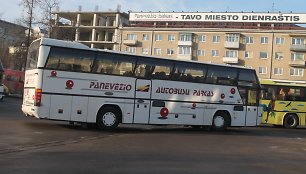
pixel 108 118
pixel 291 121
pixel 220 121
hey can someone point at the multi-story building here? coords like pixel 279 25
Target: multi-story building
pixel 275 50
pixel 95 29
pixel 12 41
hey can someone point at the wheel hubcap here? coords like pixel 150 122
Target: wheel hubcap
pixel 109 119
pixel 291 121
pixel 219 121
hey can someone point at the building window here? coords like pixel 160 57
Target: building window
pixel 184 50
pixel 202 38
pixel 157 51
pixel 279 56
pixel 232 38
pixel 280 40
pixel 297 56
pixel 249 39
pixel 297 41
pixel 216 39
pixel 170 37
pixel 248 54
pixel 201 52
pixel 131 49
pixel 231 53
pixel 145 37
pixel 262 70
pixel 296 72
pixel 170 51
pixel 264 40
pixel 131 37
pixel 263 55
pixel 145 51
pixel 278 71
pixel 215 53
pixel 186 37
pixel 158 37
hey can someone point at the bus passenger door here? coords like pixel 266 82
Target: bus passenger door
pixel 252 108
pixel 142 101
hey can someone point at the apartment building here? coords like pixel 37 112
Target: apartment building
pixel 276 50
pixel 12 44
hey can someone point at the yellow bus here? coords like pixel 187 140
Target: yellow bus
pixel 284 102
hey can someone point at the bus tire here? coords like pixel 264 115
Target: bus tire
pixel 291 121
pixel 108 118
pixel 220 121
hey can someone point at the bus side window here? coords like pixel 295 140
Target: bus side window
pixel 70 60
pixel 161 72
pixel 221 75
pixel 247 78
pixel 189 72
pixel 281 94
pixel 266 95
pixel 141 71
pixel 156 70
pixel 107 63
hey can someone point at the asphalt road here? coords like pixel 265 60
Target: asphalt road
pixel 29 145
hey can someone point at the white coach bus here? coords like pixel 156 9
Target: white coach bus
pixel 69 81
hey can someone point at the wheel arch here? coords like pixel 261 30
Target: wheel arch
pixel 110 106
pixel 225 112
pixel 294 114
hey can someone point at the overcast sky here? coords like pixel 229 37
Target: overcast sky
pixel 10 10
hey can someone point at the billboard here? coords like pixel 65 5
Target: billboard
pixel 294 18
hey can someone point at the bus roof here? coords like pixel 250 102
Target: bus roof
pixel 62 43
pixel 282 82
pixel 78 45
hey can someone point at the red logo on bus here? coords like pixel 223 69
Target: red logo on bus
pixel 194 105
pixel 163 113
pixel 222 96
pixel 53 73
pixel 233 90
pixel 69 84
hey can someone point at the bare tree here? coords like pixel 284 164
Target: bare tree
pixel 47 6
pixel 28 20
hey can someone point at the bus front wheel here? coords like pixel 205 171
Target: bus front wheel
pixel 108 118
pixel 291 121
pixel 220 121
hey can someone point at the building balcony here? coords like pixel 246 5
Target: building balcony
pixel 301 47
pixel 130 42
pixel 233 45
pixel 230 60
pixel 297 63
pixel 185 43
